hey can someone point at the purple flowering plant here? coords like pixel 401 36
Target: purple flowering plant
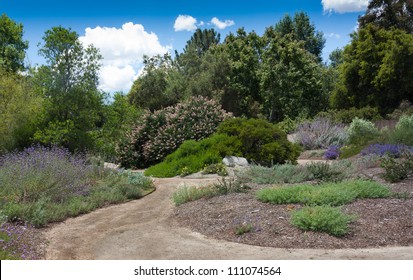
pixel 392 150
pixel 333 152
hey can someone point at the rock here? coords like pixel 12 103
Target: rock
pixel 232 161
pixel 110 165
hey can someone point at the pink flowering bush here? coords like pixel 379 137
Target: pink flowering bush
pixel 158 134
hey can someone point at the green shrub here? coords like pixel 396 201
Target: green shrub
pixel 403 132
pixel 160 133
pixel 322 218
pixel 222 187
pixel 325 172
pixel 261 142
pixel 346 116
pixel 216 168
pixel 193 156
pixel 333 194
pixel 397 169
pixel 361 131
pixel 277 174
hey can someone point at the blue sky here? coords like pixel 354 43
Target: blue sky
pixel 125 30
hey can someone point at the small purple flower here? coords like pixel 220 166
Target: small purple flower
pixel 392 150
pixel 333 152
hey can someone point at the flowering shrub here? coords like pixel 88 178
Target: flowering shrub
pixel 333 152
pixel 18 242
pixel 160 133
pixel 361 131
pixel 392 150
pixel 39 171
pixel 320 134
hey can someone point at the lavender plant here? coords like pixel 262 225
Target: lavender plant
pixel 43 172
pixel 391 150
pixel 17 241
pixel 333 152
pixel 320 133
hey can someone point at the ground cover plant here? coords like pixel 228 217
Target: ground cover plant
pixel 321 201
pixel 290 173
pixel 186 194
pixel 41 185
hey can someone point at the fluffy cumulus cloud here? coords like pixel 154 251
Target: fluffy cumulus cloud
pixel 122 50
pixel 185 23
pixel 222 24
pixel 344 6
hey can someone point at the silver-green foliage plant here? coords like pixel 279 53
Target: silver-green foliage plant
pixel 320 133
pixel 361 131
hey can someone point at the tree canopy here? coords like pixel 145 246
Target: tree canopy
pixel 12 46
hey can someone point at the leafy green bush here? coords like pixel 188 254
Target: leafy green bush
pixel 346 116
pixel 332 194
pixel 322 218
pixel 261 142
pixel 160 133
pixel 216 168
pixel 325 172
pixel 193 156
pixel 361 131
pixel 403 132
pixel 397 169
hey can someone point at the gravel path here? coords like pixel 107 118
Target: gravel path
pixel 142 229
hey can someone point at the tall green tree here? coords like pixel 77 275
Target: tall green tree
pixel 21 109
pixel 12 46
pixel 69 83
pixel 389 14
pixel 161 84
pixel 202 40
pixel 302 29
pixel 244 53
pixel 291 79
pixel 377 70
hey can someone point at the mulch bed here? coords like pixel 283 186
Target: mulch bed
pixel 379 222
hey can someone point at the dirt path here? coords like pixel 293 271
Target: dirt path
pixel 141 230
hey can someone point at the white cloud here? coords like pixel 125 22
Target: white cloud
pixel 122 50
pixel 185 23
pixel 222 24
pixel 334 35
pixel 344 6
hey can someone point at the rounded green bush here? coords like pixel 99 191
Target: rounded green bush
pixel 361 131
pixel 261 142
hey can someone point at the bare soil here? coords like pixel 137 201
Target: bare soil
pixel 152 228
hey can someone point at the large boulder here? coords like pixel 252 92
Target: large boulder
pixel 232 161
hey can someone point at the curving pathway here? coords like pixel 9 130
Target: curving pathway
pixel 141 229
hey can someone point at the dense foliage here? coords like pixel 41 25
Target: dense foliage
pixel 160 133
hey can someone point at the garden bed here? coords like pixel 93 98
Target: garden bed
pixel 379 222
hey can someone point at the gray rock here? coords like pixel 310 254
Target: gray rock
pixel 232 161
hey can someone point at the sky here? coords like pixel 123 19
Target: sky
pixel 124 30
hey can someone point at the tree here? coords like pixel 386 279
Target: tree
pixel 389 14
pixel 160 85
pixel 12 46
pixel 69 83
pixel 336 58
pixel 302 30
pixel 377 70
pixel 20 111
pixel 291 79
pixel 242 95
pixel 202 40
